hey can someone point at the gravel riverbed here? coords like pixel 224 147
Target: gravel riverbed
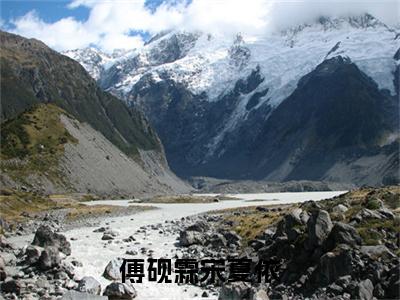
pixel 155 234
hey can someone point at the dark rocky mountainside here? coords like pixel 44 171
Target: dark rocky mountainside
pixel 336 116
pixel 337 126
pixel 62 133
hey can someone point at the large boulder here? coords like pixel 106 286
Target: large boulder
pixel 112 270
pixel 49 258
pixel 365 290
pixel 281 247
pixel 120 291
pixel 90 285
pixel 199 226
pixel 290 224
pixel 235 291
pixel 217 241
pixel 342 233
pixel 319 226
pixel 187 238
pixel 339 209
pixel 377 252
pixel 45 237
pixel 393 289
pixel 231 237
pixel 333 265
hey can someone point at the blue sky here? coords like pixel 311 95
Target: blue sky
pixel 113 24
pixel 50 11
pixel 53 10
pixel 43 16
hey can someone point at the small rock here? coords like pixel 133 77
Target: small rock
pixel 32 254
pixel 235 291
pixel 101 229
pixel 340 208
pixel 117 291
pixel 11 286
pixel 89 285
pixel 131 252
pixel 3 273
pixel 111 271
pixel 187 238
pixel 259 295
pixel 107 237
pixel 76 263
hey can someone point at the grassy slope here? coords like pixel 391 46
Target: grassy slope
pixel 33 142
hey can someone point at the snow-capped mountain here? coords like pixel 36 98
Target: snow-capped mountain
pixel 207 63
pixel 208 95
pixel 96 61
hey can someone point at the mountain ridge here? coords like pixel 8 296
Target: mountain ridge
pixel 35 79
pixel 218 95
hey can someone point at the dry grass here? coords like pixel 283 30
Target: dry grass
pixel 249 222
pixel 82 211
pixel 18 207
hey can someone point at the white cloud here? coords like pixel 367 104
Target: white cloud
pixel 63 34
pixel 110 23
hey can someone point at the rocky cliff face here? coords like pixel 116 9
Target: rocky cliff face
pixel 53 111
pixel 271 107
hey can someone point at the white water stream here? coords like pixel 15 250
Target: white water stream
pixel 95 253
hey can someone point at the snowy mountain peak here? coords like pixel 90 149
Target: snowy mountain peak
pixel 213 64
pixel 361 21
pixel 96 61
pixel 92 59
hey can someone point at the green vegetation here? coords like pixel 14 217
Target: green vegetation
pixel 372 203
pixel 374 232
pixel 392 200
pixel 38 131
pixel 33 142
